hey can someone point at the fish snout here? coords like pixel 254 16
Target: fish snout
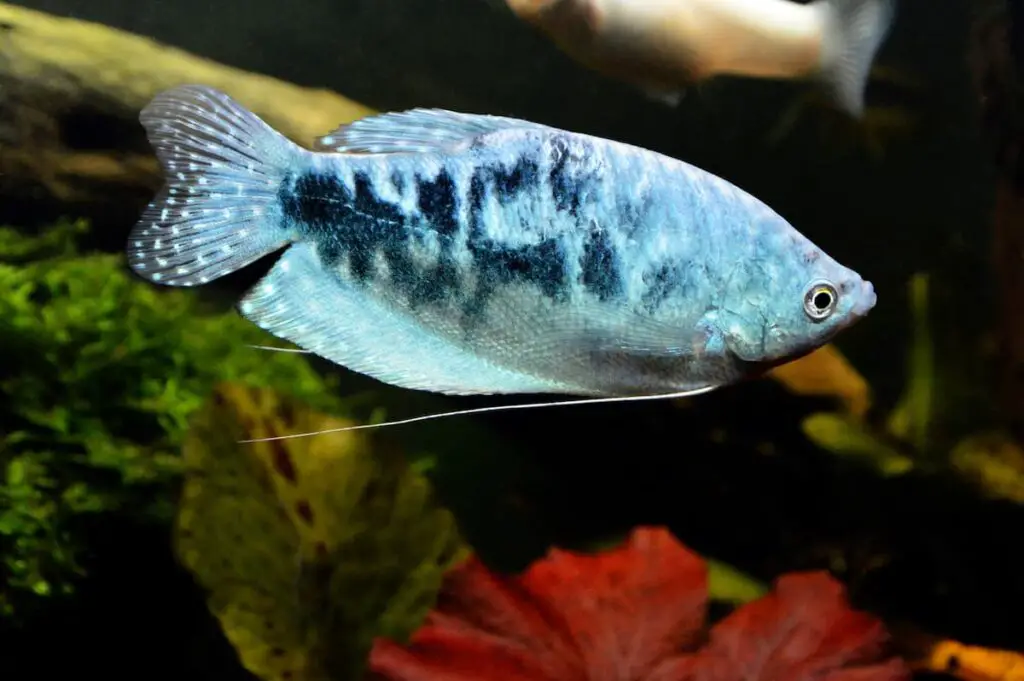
pixel 866 299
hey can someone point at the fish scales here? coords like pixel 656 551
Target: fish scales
pixel 531 213
pixel 469 254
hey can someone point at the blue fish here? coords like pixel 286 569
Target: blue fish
pixel 471 254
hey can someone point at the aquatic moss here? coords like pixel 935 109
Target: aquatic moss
pixel 100 374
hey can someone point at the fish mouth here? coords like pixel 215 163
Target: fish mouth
pixel 866 300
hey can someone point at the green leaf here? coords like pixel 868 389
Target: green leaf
pixel 726 583
pixel 912 417
pixel 309 547
pixel 846 436
pixel 993 463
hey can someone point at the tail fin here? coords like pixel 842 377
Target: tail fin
pixel 854 30
pixel 219 209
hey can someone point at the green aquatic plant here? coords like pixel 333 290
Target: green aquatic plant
pixel 309 547
pixel 57 240
pixel 99 377
pixel 912 419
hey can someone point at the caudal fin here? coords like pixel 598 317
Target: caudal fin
pixel 854 31
pixel 219 209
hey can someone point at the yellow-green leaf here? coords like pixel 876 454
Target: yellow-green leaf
pixel 849 437
pixel 308 546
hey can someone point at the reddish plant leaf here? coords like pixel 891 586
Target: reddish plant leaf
pixel 636 613
pixel 630 608
pixel 803 631
pixel 570 617
pixel 482 620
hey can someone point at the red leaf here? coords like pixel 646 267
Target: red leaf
pixel 803 631
pixel 629 608
pixel 482 621
pixel 570 617
pixel 635 613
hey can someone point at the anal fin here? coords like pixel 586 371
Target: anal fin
pixel 305 304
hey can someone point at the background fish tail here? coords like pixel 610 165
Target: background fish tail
pixel 219 209
pixel 854 32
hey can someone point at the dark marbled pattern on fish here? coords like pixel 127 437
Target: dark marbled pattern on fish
pixel 352 221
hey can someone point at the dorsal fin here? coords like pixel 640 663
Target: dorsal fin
pixel 413 131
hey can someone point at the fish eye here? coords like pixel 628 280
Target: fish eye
pixel 820 301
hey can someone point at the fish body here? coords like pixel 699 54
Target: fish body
pixel 664 45
pixel 468 254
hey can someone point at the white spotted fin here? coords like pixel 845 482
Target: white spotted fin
pixel 301 302
pixel 219 209
pixel 414 131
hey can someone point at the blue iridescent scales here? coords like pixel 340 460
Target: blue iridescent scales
pixel 470 254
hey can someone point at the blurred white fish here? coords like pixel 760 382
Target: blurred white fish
pixel 662 46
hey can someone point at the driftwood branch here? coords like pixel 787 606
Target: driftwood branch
pixel 70 96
